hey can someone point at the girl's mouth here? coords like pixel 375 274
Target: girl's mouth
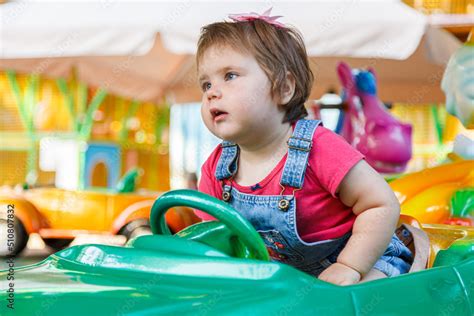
pixel 218 115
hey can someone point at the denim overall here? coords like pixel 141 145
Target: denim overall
pixel 274 216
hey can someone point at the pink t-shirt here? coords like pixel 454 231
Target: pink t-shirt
pixel 320 215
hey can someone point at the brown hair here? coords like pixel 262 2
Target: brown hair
pixel 277 50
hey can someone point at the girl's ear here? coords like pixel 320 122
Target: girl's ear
pixel 288 88
pixel 345 75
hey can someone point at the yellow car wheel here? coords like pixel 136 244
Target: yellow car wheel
pixel 57 243
pixel 13 237
pixel 138 227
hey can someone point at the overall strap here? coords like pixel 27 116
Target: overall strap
pixel 299 147
pixel 227 164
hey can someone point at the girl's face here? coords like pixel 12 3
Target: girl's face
pixel 236 101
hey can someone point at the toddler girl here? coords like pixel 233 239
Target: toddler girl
pixel 314 200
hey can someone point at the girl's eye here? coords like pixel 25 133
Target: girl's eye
pixel 206 86
pixel 230 76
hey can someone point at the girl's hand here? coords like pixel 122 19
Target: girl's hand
pixel 340 274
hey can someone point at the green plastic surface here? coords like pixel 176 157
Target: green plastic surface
pixel 458 251
pixel 462 203
pixel 168 275
pixel 128 182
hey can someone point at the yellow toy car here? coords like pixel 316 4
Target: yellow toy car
pixel 58 216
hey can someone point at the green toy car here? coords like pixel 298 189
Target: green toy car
pixel 220 268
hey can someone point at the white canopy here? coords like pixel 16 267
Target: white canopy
pixel 387 29
pixel 369 32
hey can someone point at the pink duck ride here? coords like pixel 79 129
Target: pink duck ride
pixel 369 127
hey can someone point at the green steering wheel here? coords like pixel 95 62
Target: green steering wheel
pixel 236 224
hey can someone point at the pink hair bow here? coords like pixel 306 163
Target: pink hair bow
pixel 252 16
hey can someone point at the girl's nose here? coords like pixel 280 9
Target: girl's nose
pixel 214 93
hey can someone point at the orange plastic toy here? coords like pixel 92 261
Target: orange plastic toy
pixel 426 194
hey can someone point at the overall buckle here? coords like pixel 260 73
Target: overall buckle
pixel 307 146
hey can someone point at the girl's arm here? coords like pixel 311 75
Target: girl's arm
pixel 377 210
